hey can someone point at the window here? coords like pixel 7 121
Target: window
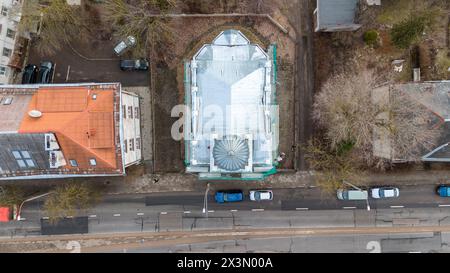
pixel 7 52
pixel 130 111
pixel 124 111
pixel 125 146
pixel 7 101
pixel 10 33
pixel 2 70
pixel 93 162
pixel 4 11
pixel 73 163
pixel 136 112
pixel 23 159
pixel 138 143
pixel 131 145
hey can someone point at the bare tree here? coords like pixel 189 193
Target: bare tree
pixel 347 110
pixel 59 23
pixel 333 166
pixel 138 19
pixel 413 127
pixel 69 200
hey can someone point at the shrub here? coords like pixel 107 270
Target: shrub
pixel 371 37
pixel 408 31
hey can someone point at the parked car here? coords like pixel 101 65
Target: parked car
pixel 125 45
pixel 139 64
pixel 384 192
pixel 352 194
pixel 30 73
pixel 443 190
pixel 45 72
pixel 229 196
pixel 260 195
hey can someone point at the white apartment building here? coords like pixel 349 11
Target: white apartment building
pixel 10 49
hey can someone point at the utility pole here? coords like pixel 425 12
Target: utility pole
pixel 205 201
pixel 30 199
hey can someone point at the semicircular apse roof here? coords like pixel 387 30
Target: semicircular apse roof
pixel 231 153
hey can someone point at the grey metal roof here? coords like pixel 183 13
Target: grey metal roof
pixel 230 89
pixel 336 12
pixel 31 143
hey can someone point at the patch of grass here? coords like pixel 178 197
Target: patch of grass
pixel 407 32
pixel 443 64
pixel 371 37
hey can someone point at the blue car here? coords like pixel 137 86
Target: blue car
pixel 443 191
pixel 229 196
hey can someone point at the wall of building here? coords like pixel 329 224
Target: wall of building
pixel 9 21
pixel 131 142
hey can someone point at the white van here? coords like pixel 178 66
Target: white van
pixel 352 195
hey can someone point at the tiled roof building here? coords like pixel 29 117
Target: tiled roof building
pixel 65 131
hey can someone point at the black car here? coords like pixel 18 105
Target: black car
pixel 45 72
pixel 140 64
pixel 30 74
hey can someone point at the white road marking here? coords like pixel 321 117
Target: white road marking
pixel 234 210
pixel 188 211
pixel 69 216
pixel 163 212
pixel 140 213
pixel 45 217
pixel 397 207
pixel 349 207
pixel 22 219
pixel 210 211
pixel 444 205
pixel 301 208
pixel 68 72
pixel 257 209
pixel 116 215
pixel 92 216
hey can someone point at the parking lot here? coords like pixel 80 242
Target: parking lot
pixel 91 62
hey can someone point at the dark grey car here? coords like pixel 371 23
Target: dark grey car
pixel 139 64
pixel 45 72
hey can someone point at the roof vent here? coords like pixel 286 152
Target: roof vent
pixel 35 113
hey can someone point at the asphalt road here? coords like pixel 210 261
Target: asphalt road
pixel 305 199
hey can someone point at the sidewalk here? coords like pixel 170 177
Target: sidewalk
pixel 147 183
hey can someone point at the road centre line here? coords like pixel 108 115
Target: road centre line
pixel 396 207
pixel 301 208
pixel 92 216
pixel 444 205
pixel 163 212
pixel 257 209
pixel 234 210
pixel 210 211
pixel 349 207
pixel 116 215
pixel 187 212
pixel 139 213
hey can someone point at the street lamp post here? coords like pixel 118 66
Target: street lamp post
pixel 205 201
pixel 30 199
pixel 359 189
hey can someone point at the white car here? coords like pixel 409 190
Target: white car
pixel 125 45
pixel 384 192
pixel 260 195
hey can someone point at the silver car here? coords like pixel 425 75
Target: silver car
pixel 123 46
